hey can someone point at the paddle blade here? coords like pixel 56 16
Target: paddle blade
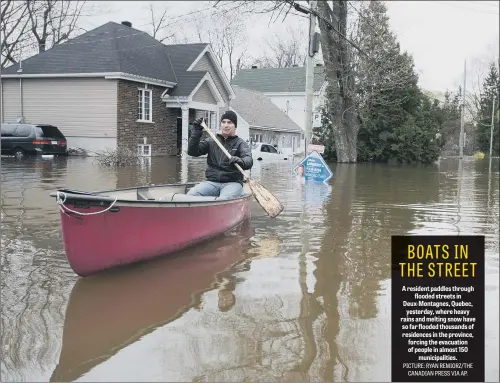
pixel 265 198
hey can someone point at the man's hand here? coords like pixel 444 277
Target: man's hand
pixel 236 160
pixel 197 123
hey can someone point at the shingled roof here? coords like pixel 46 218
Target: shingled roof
pixel 277 80
pixel 259 111
pixel 181 57
pixel 109 48
pixel 118 48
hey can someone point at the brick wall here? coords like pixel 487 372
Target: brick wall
pixel 161 134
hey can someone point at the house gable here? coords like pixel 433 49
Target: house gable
pixel 206 62
pixel 204 94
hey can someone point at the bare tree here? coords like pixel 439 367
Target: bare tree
pixel 53 21
pixel 234 47
pixel 161 28
pixel 478 71
pixel 14 30
pixel 31 26
pixel 226 36
pixel 287 52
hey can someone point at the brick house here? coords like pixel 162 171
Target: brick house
pixel 117 87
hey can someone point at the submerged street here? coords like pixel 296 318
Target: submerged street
pixel 302 297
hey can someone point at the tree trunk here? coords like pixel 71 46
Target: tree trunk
pixel 340 95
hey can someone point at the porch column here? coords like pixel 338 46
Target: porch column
pixel 185 129
pixel 185 133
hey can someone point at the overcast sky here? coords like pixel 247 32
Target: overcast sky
pixel 439 34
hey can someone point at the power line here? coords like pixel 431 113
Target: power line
pixel 302 9
pixel 180 16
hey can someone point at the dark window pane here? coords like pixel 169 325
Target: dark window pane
pixel 49 131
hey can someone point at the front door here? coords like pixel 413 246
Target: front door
pixel 179 135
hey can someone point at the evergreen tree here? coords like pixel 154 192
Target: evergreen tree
pixel 398 120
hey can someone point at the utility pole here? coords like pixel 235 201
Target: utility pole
pixel 310 76
pixel 492 126
pixel 461 140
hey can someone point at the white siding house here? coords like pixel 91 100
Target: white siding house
pixel 84 109
pixel 260 120
pixel 285 87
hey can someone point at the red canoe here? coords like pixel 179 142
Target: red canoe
pixel 107 229
pixel 110 311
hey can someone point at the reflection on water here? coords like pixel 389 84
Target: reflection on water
pixel 302 297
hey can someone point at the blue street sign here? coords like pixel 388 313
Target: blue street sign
pixel 314 168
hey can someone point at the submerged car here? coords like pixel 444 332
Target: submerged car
pixel 32 139
pixel 262 151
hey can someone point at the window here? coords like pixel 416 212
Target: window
pixel 272 149
pixel 144 150
pixel 48 131
pixel 257 137
pixel 211 120
pixel 208 119
pixel 264 148
pixel 145 106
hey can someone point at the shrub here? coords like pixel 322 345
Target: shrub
pixel 117 157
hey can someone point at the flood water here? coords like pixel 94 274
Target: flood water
pixel 302 297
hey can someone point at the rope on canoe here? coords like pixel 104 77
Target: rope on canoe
pixel 60 202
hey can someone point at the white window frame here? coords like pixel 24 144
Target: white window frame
pixel 140 107
pixel 210 120
pixel 141 152
pixel 257 137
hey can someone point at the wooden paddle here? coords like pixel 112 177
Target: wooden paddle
pixel 264 197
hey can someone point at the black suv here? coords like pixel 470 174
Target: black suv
pixel 25 139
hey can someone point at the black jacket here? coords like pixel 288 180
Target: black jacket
pixel 219 169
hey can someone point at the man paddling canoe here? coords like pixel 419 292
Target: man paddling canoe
pixel 223 179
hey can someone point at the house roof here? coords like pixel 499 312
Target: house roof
pixel 183 55
pixel 111 47
pixel 187 81
pixel 259 111
pixel 277 80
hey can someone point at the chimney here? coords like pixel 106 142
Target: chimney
pixel 254 66
pixel 127 24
